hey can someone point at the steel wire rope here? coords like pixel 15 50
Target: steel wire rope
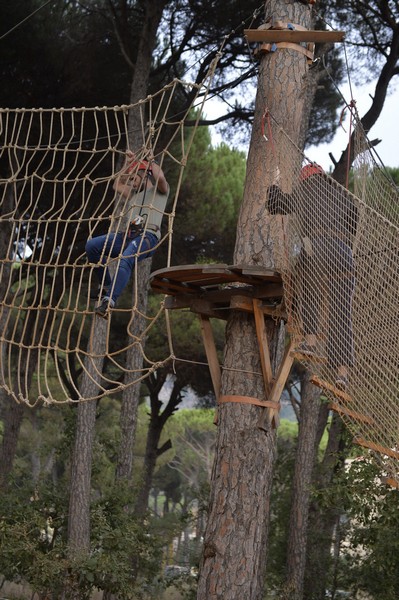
pixel 24 20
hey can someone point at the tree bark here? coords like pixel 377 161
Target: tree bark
pixel 134 363
pixel 134 359
pixel 234 555
pixel 80 485
pixel 322 519
pixel 79 515
pixel 306 455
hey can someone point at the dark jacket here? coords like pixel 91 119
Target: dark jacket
pixel 321 207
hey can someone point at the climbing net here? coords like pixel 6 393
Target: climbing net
pixel 338 254
pixel 57 170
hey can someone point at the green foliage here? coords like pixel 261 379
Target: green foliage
pixel 370 554
pixel 210 198
pixel 33 545
pixel 194 435
pixel 188 344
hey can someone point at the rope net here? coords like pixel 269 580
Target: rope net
pixel 338 255
pixel 57 174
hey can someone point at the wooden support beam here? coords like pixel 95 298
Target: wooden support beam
pixel 277 390
pixel 297 355
pixel 213 361
pixel 376 447
pixel 342 410
pixel 245 303
pixel 294 36
pixel 331 388
pixel 211 354
pixel 263 345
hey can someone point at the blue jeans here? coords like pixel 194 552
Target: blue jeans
pixel 130 251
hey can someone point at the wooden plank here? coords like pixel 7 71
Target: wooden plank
pixel 181 269
pixel 297 355
pixel 211 354
pixel 256 271
pixel 277 389
pixel 282 375
pixel 342 410
pixel 200 279
pixel 171 286
pixel 240 302
pixel 244 303
pixel 221 300
pixel 201 306
pixel 263 343
pixel 331 388
pixel 196 305
pixel 376 447
pixel 295 36
pixel 390 481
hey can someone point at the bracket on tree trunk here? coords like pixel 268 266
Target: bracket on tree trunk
pixel 216 290
pixel 279 34
pixel 272 417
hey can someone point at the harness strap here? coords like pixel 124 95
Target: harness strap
pixel 249 400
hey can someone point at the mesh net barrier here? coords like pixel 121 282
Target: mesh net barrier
pixel 57 174
pixel 338 254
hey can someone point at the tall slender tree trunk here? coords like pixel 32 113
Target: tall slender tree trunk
pixel 12 413
pixel 306 454
pixel 79 517
pixel 80 485
pixel 235 546
pixel 134 362
pixel 157 423
pixel 322 518
pixel 134 359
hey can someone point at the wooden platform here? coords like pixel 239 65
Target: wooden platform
pixel 215 289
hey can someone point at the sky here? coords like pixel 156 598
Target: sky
pixel 386 129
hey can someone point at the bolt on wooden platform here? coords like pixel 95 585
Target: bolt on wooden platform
pixel 213 291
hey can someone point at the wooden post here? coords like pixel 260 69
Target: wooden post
pixel 211 354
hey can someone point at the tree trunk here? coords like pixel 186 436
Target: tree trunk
pixel 234 554
pixel 306 455
pixel 134 362
pixel 80 485
pixel 12 412
pixel 79 521
pixel 151 454
pixel 323 519
pixel 134 359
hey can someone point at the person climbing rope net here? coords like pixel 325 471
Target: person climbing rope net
pixel 325 218
pixel 135 228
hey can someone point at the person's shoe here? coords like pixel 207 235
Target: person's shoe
pixel 341 383
pixel 103 308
